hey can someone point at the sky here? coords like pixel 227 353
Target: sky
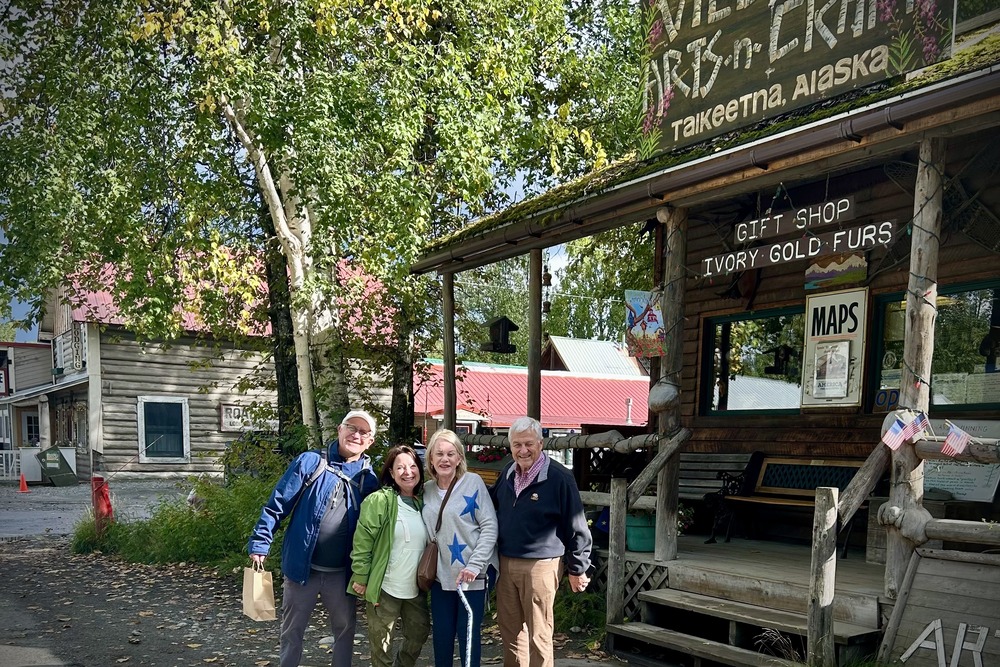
pixel 19 310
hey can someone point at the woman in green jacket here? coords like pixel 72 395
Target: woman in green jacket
pixel 387 546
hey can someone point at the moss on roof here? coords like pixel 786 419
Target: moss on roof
pixel 980 54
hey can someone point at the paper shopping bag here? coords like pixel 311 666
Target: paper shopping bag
pixel 258 594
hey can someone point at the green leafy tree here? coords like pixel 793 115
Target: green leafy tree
pixel 143 138
pixel 8 331
pixel 589 299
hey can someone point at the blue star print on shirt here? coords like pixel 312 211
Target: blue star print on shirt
pixel 456 549
pixel 471 505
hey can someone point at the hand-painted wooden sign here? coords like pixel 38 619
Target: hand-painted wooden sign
pixel 718 65
pixel 786 222
pixel 807 246
pixel 237 419
pixel 950 614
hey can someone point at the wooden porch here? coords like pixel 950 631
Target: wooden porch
pixel 743 602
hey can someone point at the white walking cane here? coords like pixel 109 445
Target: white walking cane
pixel 468 624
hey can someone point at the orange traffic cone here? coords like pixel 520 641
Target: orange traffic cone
pixel 24 485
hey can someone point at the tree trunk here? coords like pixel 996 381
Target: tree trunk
pixel 278 313
pixel 448 335
pixel 401 429
pixel 293 228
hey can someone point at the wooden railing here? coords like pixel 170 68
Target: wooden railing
pixel 10 464
pixel 833 513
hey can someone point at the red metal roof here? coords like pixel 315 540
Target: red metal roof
pixel 568 399
pixel 361 288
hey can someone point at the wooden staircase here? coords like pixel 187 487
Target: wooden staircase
pixel 710 618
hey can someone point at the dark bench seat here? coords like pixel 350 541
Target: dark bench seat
pixel 703 474
pixel 780 482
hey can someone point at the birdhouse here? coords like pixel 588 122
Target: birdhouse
pixel 500 329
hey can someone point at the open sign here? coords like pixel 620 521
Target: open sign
pixel 886 400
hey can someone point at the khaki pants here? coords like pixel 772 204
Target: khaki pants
pixel 525 594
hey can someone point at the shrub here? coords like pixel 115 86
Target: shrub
pixel 215 533
pixel 581 610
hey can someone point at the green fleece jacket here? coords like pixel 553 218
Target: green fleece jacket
pixel 373 541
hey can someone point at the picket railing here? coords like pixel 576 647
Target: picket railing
pixel 10 464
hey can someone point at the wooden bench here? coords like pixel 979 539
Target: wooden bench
pixel 704 474
pixel 781 482
pixel 700 480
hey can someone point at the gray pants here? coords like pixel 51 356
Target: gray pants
pixel 415 624
pixel 297 604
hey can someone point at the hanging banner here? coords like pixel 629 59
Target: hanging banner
pixel 832 364
pixel 644 334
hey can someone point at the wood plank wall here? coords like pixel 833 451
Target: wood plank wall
pixel 129 371
pixel 833 431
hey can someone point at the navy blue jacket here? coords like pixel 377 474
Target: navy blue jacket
pixel 546 521
pixel 303 527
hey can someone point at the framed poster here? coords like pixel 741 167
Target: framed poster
pixel 835 329
pixel 830 364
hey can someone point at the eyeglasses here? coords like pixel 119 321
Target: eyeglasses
pixel 352 429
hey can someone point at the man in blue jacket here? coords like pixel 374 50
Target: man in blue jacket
pixel 325 493
pixel 541 523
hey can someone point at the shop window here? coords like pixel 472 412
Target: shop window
pixel 163 429
pixel 965 373
pixel 754 362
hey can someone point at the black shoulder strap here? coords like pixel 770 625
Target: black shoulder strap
pixel 320 469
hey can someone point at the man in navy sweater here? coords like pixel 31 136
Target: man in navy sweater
pixel 541 522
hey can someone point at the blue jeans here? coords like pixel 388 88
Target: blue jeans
pixel 449 619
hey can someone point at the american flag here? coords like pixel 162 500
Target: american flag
pixel 956 442
pixel 893 438
pixel 915 427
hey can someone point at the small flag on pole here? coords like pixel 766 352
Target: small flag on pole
pixel 893 438
pixel 915 427
pixel 956 441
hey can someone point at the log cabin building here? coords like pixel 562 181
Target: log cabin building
pixel 823 271
pixel 115 404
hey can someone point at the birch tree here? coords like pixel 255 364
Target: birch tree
pixel 141 139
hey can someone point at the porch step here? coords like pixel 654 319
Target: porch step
pixel 848 606
pixel 747 614
pixel 626 637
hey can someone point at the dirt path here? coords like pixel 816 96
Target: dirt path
pixel 57 608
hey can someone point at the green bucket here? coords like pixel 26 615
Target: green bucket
pixel 640 532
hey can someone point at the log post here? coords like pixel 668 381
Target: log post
pixel 669 419
pixel 616 551
pixel 667 451
pixel 820 644
pixel 861 485
pixel 535 334
pixel 918 349
pixel 450 396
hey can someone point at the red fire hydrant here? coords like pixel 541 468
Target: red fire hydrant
pixel 103 513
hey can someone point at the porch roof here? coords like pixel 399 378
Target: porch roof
pixel 869 124
pixel 45 389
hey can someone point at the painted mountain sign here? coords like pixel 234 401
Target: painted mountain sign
pixel 718 65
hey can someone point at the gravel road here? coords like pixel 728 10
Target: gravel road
pixel 62 609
